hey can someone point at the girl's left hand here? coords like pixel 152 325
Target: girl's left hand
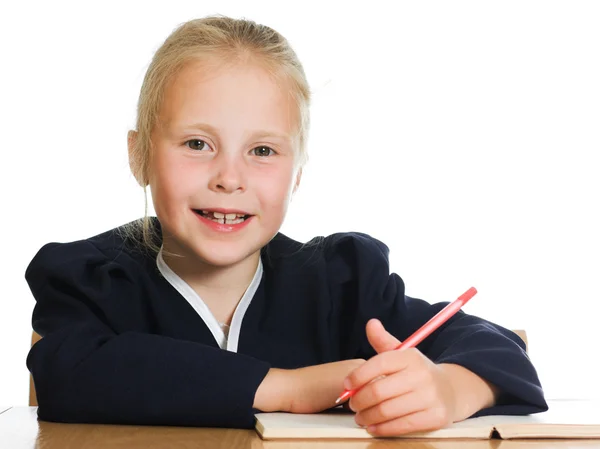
pixel 400 391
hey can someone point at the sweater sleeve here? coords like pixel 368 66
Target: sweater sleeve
pixel 485 348
pixel 85 370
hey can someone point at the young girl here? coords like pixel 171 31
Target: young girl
pixel 205 314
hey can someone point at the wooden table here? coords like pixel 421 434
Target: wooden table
pixel 20 429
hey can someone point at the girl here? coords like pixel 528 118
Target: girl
pixel 204 314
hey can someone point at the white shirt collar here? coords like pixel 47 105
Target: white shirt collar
pixel 229 342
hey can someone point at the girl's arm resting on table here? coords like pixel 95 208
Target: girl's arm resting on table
pixel 83 374
pixel 133 378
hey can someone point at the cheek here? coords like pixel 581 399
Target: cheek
pixel 276 190
pixel 172 184
pixel 175 179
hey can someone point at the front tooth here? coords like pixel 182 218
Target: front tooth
pixel 230 216
pixel 218 215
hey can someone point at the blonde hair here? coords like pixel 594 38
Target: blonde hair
pixel 209 39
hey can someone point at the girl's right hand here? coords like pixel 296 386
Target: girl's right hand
pixel 304 390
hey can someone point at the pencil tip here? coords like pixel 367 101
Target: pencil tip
pixel 337 401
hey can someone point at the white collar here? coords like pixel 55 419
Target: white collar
pixel 225 342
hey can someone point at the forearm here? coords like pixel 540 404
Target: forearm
pixel 136 378
pixel 472 393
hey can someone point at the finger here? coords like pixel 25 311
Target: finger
pixel 421 421
pixel 378 391
pixel 382 364
pixel 380 339
pixel 393 408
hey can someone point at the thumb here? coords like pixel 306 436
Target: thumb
pixel 380 339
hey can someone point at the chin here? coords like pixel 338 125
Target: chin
pixel 224 255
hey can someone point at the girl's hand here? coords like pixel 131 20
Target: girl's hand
pixel 404 391
pixel 304 390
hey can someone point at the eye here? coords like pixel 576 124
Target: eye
pixel 197 144
pixel 263 151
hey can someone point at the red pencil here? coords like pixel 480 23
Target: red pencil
pixel 440 318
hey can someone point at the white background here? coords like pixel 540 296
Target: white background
pixel 465 135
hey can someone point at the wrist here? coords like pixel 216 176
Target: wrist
pixel 471 392
pixel 273 393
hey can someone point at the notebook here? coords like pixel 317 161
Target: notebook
pixel 564 419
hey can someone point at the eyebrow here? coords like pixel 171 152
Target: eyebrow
pixel 256 134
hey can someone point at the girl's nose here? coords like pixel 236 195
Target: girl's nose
pixel 228 175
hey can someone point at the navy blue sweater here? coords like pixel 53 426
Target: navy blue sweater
pixel 121 345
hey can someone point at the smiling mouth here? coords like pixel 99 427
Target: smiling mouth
pixel 222 218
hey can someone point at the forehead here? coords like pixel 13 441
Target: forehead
pixel 242 95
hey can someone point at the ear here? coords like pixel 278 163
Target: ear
pixel 297 184
pixel 133 162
